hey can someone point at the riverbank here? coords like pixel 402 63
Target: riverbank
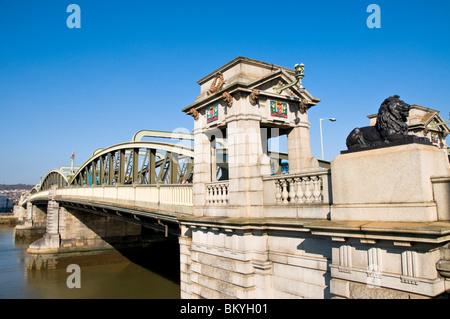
pixel 8 219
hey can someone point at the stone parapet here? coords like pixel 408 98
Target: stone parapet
pixel 176 198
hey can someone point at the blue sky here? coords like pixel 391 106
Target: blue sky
pixel 134 65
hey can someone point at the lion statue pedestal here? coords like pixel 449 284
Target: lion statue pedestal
pixel 387 179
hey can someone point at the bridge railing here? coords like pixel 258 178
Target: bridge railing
pixel 306 195
pixel 217 193
pixel 172 198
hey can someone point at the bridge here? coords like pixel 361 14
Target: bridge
pixel 135 181
pixel 252 221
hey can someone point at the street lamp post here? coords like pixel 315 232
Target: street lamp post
pixel 332 119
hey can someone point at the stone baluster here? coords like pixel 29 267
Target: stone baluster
pixel 208 195
pixel 308 193
pixel 225 193
pixel 216 195
pixel 284 192
pixel 317 192
pixel 219 195
pixel 223 196
pixel 291 183
pixel 278 192
pixel 211 194
pixel 299 183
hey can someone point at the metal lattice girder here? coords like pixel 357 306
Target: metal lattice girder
pixel 56 177
pixel 137 162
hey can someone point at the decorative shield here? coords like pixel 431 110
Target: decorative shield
pixel 278 109
pixel 212 114
pixel 434 137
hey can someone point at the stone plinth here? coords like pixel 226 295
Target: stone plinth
pixel 387 184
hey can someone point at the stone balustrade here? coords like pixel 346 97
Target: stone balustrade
pixel 299 190
pixel 309 188
pixel 217 193
pixel 303 195
pixel 171 197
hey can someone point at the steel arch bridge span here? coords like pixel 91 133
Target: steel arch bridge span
pixel 56 177
pixel 137 163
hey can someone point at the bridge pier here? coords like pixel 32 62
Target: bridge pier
pixel 33 221
pixel 73 233
pixel 19 212
pixel 51 238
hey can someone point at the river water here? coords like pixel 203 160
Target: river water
pixel 154 275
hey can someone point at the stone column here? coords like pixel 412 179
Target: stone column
pixel 245 153
pixel 299 149
pixel 202 169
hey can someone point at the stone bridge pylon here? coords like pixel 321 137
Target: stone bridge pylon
pixel 374 225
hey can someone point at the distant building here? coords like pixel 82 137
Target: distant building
pixel 5 203
pixel 425 122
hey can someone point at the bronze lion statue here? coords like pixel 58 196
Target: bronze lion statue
pixel 390 126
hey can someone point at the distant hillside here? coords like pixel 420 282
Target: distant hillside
pixel 15 186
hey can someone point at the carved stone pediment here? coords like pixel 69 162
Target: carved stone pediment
pixel 267 84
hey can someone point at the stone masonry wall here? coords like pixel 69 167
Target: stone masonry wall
pixel 225 263
pixel 80 229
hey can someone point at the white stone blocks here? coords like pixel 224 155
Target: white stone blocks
pixel 441 194
pixel 387 184
pixel 340 288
